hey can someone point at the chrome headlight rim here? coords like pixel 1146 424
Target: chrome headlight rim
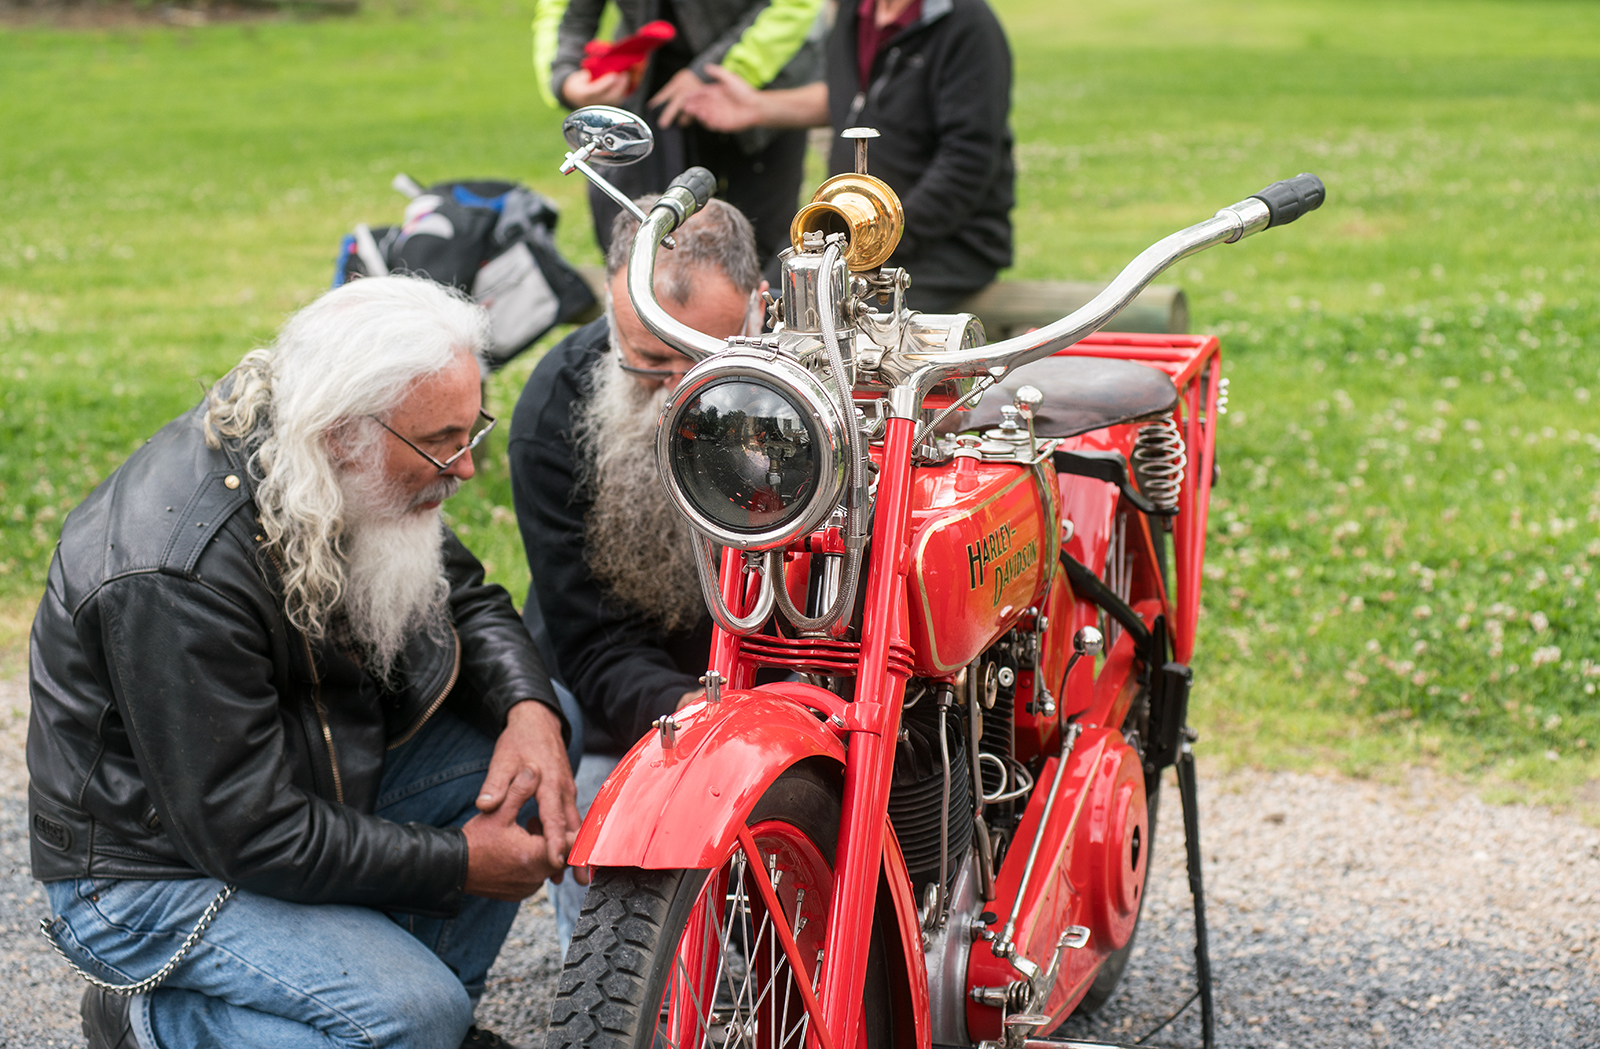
pixel 813 402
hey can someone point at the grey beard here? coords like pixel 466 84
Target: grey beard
pixel 637 544
pixel 395 586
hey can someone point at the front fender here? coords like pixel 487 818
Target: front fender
pixel 665 808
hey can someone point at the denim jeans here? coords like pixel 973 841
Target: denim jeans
pixel 270 973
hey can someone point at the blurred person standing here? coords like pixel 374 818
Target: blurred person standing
pixel 934 78
pixel 763 43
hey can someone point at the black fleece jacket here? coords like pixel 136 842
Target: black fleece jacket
pixel 624 670
pixel 940 95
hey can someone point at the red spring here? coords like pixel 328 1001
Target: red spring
pixel 818 655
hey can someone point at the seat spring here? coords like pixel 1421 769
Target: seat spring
pixel 1159 460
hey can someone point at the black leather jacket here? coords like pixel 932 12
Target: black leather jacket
pixel 181 726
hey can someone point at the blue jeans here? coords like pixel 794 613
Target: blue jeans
pixel 282 975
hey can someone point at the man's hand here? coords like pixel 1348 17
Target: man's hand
pixel 727 104
pixel 505 862
pixel 683 84
pixel 531 744
pixel 580 89
pixel 692 696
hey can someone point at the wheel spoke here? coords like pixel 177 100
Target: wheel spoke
pixel 749 996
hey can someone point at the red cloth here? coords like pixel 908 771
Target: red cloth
pixel 870 39
pixel 627 55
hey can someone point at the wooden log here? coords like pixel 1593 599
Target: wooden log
pixel 1009 307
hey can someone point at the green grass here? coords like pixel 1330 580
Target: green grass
pixel 1405 560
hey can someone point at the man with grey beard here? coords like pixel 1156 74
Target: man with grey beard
pixel 293 762
pixel 614 590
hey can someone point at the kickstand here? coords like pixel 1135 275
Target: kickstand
pixel 1191 841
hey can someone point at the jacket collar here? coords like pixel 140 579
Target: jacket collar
pixel 932 11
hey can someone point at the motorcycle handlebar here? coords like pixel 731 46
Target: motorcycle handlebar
pixel 1290 198
pixel 702 183
pixel 687 194
pixel 917 371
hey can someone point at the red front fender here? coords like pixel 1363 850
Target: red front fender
pixel 680 807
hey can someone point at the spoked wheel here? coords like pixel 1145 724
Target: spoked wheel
pixel 692 959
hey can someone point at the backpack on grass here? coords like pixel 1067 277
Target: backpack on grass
pixel 493 240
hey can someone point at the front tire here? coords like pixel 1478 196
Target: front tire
pixel 688 958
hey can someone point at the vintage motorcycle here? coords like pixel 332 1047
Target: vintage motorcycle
pixel 931 825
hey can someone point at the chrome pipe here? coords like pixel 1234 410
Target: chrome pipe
pixel 1005 947
pixel 975 734
pixel 836 619
pixel 923 369
pixel 709 590
pixel 696 345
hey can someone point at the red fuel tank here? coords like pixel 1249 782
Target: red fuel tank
pixel 983 537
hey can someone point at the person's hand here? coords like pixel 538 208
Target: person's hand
pixel 505 862
pixel 683 84
pixel 727 104
pixel 531 744
pixel 580 89
pixel 692 696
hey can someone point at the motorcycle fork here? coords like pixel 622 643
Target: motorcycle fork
pixel 871 722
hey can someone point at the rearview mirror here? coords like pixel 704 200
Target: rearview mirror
pixel 608 135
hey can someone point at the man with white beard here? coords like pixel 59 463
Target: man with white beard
pixel 293 763
pixel 614 578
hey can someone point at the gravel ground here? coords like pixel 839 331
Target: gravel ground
pixel 1342 914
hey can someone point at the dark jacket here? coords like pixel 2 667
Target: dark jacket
pixel 181 727
pixel 624 670
pixel 940 94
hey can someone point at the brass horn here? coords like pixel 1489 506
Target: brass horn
pixel 861 207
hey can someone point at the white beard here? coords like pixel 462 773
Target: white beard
pixel 636 541
pixel 395 586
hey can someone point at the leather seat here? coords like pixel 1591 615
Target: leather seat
pixel 1080 394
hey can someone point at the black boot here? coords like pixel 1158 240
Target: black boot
pixel 105 1020
pixel 478 1038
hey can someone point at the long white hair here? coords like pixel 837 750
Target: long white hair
pixel 353 353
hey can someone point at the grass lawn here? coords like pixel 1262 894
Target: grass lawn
pixel 1405 565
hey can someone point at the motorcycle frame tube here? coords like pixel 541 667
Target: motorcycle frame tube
pixel 1194 363
pixel 873 720
pixel 1194 500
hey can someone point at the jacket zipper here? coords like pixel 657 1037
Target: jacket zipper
pixel 316 697
pixel 874 88
pixel 455 672
pixel 322 719
pixel 856 105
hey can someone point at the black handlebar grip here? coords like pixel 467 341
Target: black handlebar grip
pixel 698 181
pixel 1291 198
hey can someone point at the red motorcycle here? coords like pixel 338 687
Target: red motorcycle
pixel 935 829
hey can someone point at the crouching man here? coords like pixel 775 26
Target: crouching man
pixel 283 734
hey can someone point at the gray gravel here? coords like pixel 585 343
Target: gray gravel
pixel 1342 914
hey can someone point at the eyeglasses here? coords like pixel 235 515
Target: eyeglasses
pixel 480 429
pixel 752 324
pixel 655 374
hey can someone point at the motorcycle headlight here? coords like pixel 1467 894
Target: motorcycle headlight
pixel 752 449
